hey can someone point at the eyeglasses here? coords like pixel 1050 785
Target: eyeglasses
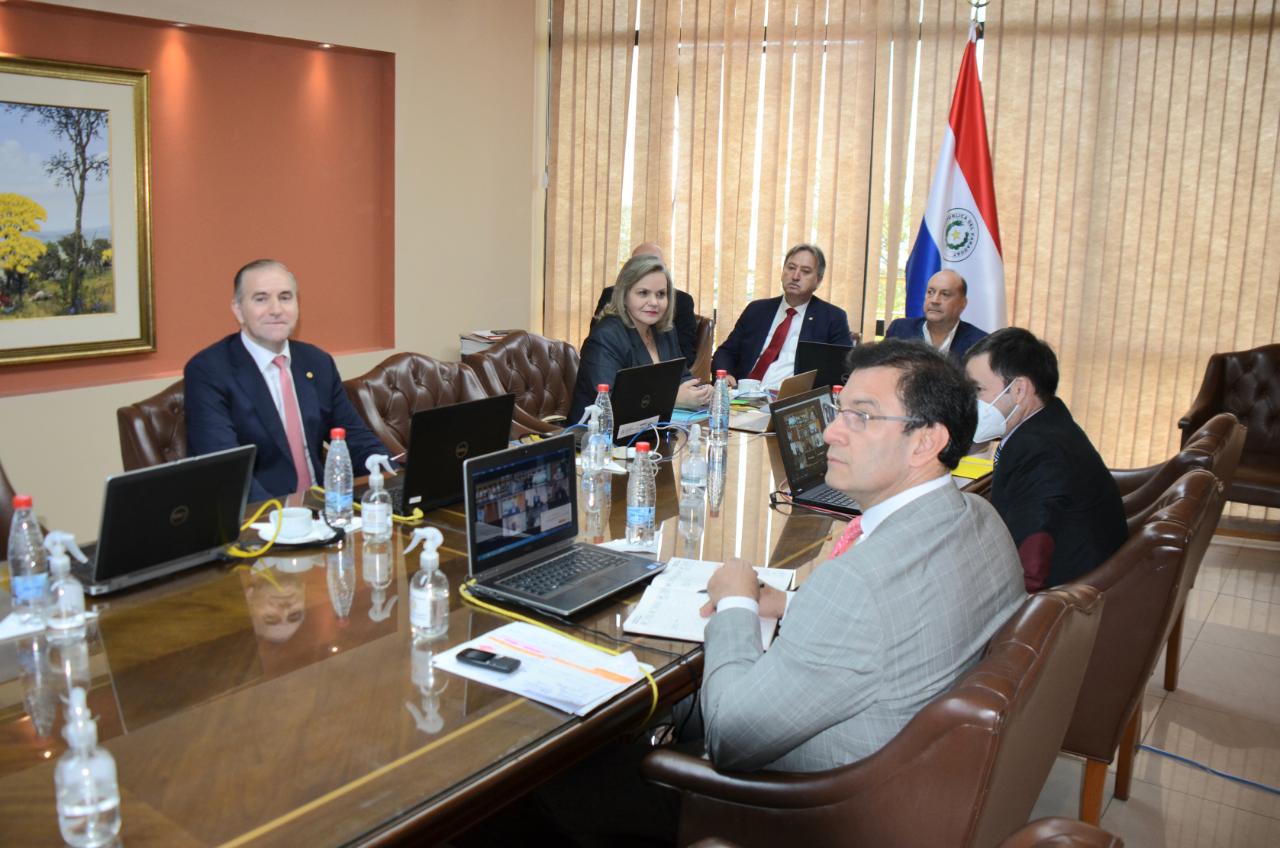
pixel 856 419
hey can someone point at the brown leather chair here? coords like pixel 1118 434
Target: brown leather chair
pixel 1247 384
pixel 706 346
pixel 1214 447
pixel 965 771
pixel 154 430
pixel 1145 584
pixel 539 371
pixel 1062 833
pixel 387 396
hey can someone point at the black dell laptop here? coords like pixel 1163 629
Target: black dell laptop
pixel 827 359
pixel 522 527
pixel 167 518
pixel 641 397
pixel 799 423
pixel 440 440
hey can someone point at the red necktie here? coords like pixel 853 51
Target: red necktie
pixel 775 345
pixel 848 537
pixel 293 423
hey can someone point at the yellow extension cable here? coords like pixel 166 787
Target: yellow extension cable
pixel 465 591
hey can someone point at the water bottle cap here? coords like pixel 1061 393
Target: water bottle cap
pixel 22 502
pixel 720 372
pixel 337 433
pixel 642 447
pixel 835 390
pixel 603 387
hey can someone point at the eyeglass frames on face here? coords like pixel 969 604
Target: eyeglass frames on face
pixel 856 419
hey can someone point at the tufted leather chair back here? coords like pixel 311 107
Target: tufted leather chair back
pixel 705 347
pixel 973 760
pixel 1145 584
pixel 387 396
pixel 154 430
pixel 539 371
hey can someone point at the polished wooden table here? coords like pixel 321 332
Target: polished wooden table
pixel 289 705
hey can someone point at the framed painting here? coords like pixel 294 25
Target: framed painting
pixel 75 212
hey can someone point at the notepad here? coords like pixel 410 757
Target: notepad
pixel 670 606
pixel 973 467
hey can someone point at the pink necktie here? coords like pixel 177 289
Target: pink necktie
pixel 293 423
pixel 775 347
pixel 848 537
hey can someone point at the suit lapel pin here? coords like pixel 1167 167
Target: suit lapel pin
pixel 310 376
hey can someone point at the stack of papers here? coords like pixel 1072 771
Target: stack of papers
pixel 670 607
pixel 554 669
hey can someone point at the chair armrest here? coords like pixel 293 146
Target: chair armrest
pixel 686 773
pixel 1131 479
pixel 532 423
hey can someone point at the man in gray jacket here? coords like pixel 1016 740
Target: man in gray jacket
pixel 917 585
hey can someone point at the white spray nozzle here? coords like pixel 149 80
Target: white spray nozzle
pixel 375 473
pixel 591 413
pixel 79 728
pixel 60 543
pixel 695 434
pixel 430 537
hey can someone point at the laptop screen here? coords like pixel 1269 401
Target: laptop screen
pixel 799 429
pixel 520 501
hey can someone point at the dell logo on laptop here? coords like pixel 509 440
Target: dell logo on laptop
pixel 461 450
pixel 645 401
pixel 179 516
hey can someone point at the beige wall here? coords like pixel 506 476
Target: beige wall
pixel 470 126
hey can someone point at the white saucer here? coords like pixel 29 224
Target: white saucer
pixel 320 532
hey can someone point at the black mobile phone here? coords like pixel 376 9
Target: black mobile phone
pixel 489 660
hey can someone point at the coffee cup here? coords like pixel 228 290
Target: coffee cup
pixel 748 387
pixel 294 521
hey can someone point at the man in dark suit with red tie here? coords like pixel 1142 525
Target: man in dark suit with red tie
pixel 763 343
pixel 257 387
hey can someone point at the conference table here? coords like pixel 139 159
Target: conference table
pixel 284 701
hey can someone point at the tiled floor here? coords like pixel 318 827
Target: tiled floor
pixel 1225 714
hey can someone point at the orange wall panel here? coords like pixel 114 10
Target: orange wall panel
pixel 259 147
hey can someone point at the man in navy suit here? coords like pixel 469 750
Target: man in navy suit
pixel 941 327
pixel 256 387
pixel 763 343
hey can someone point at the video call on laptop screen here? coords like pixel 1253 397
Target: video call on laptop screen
pixel 803 426
pixel 519 505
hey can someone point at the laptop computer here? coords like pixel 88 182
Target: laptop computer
pixel 440 440
pixel 761 420
pixel 522 522
pixel 167 518
pixel 826 359
pixel 799 424
pixel 641 397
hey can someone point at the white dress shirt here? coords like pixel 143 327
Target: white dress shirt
pixel 263 358
pixel 785 365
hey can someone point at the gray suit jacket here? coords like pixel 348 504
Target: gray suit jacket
pixel 870 638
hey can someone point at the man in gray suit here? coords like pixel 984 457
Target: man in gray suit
pixel 907 604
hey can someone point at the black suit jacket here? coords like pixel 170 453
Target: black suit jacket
pixel 609 348
pixel 685 321
pixel 228 404
pixel 1057 498
pixel 823 322
pixel 910 328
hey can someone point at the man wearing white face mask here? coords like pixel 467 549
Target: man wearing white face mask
pixel 1051 487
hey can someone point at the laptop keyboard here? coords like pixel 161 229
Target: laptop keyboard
pixel 547 578
pixel 824 494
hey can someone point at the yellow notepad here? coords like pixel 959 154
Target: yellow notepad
pixel 973 467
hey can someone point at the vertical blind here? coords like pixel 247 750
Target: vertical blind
pixel 1134 146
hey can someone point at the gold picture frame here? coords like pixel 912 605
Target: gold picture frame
pixel 72 286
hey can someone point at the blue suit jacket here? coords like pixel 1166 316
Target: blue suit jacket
pixel 823 322
pixel 910 328
pixel 228 404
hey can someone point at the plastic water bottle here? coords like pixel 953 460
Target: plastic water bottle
pixel 375 506
pixel 717 467
pixel 429 588
pixel 693 467
pixel 338 491
pixel 64 601
pixel 641 497
pixel 606 413
pixel 28 570
pixel 85 778
pixel 720 410
pixel 596 453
